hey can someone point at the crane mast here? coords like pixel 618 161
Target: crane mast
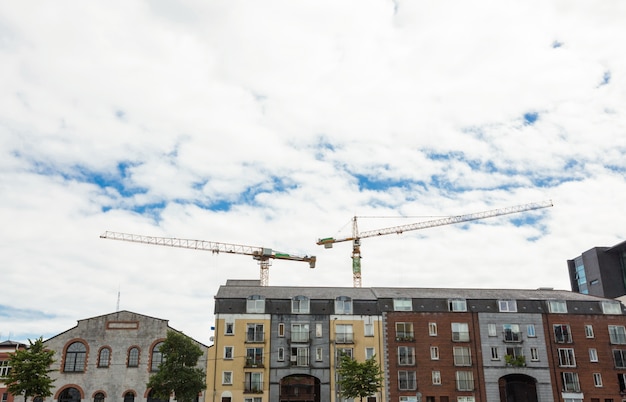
pixel 263 255
pixel 356 236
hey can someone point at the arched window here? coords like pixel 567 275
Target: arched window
pixel 129 397
pixel 157 357
pixel 104 357
pixel 70 395
pixel 133 357
pixel 99 397
pixel 75 358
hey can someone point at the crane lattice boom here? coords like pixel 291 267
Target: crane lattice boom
pixel 261 254
pixel 356 236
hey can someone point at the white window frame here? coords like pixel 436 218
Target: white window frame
pixel 410 378
pixel 566 336
pixel 492 330
pixel 300 305
pixel 434 353
pixel 567 357
pixel 597 379
pixel 432 329
pixel 571 382
pixel 255 304
pixel 343 305
pixel 368 326
pixel 593 355
pixel 617 334
pixel 407 333
pixel 495 353
pixel 465 399
pixel 232 352
pixel 462 356
pixel 457 305
pixel 406 355
pixel 281 330
pixel 299 332
pixel 460 332
pixel 436 377
pixel 344 333
pixel 530 331
pixel 227 378
pixel 557 306
pixel 318 330
pixel 402 304
pixel 507 306
pixel 280 356
pixel 370 353
pixel 534 354
pixel 589 331
pixel 464 381
pixel 229 328
pixel 319 354
pixel 610 307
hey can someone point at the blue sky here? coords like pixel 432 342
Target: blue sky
pixel 273 124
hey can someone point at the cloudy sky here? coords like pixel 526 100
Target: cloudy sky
pixel 273 123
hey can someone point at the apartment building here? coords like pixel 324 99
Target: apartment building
pixel 434 345
pixel 6 349
pixel 600 271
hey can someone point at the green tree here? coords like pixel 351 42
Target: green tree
pixel 30 368
pixel 359 380
pixel 177 372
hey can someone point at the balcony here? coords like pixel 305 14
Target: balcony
pixel 512 336
pixel 254 363
pixel 405 337
pixel 344 338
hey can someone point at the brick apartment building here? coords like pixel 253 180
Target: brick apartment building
pixel 6 348
pixel 434 345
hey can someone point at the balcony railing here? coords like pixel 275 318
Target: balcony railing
pixel 255 337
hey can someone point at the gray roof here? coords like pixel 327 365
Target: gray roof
pixel 243 289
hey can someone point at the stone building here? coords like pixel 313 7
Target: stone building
pixel 110 358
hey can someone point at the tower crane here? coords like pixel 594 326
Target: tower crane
pixel 262 254
pixel 356 236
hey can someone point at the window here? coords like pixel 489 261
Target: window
pixel 254 357
pixel 617 334
pixel 342 351
pixel 432 328
pixel 252 399
pixel 281 354
pixel 300 357
pixel 491 330
pixel 457 305
pixel 128 397
pixel 462 356
pixel 104 358
pixel 406 355
pixel 511 333
pixel 98 397
pixel 229 328
pixel 402 305
pixel 343 305
pixel 534 354
pixel 460 332
pixel 133 357
pixel 597 379
pixel 255 304
pixel 157 357
pixel 71 395
pixel 404 331
pixel 434 353
pixel 495 355
pixel 507 306
pixel 570 382
pixel 436 376
pixel 299 332
pixel 4 368
pixel 530 331
pixel 557 306
pixel 281 329
pixel 611 307
pixel 228 352
pixel 318 330
pixel 300 305
pixel 566 357
pixel 593 355
pixel 589 331
pixel 75 357
pixel 464 381
pixel 513 351
pixel 619 357
pixel 254 333
pixel 253 382
pixel 369 326
pixel 562 333
pixel 319 355
pixel 465 399
pixel 343 333
pixel 369 353
pixel 407 380
pixel 621 378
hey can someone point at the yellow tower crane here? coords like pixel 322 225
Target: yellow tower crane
pixel 356 236
pixel 262 254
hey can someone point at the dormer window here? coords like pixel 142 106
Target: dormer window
pixel 300 305
pixel 255 304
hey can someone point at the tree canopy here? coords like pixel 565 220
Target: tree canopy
pixel 359 380
pixel 30 368
pixel 177 372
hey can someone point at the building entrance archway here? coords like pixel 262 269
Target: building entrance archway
pixel 517 388
pixel 299 388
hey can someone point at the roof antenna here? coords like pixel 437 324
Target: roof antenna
pixel 118 299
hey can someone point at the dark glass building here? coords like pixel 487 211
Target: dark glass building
pixel 600 271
